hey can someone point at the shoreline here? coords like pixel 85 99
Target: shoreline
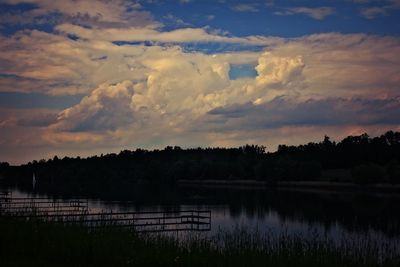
pixel 324 185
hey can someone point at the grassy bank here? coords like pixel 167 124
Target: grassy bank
pixel 24 243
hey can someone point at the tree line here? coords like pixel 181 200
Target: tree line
pixel 367 160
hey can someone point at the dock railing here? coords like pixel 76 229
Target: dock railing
pixel 76 211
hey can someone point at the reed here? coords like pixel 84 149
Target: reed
pixel 37 243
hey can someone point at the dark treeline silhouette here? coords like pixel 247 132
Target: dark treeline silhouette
pixel 362 158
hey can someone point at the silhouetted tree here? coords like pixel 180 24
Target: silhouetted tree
pixel 371 159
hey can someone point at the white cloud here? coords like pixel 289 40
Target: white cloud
pixel 245 8
pixel 318 13
pixel 381 8
pixel 180 88
pixel 103 13
pixel 38 61
pixel 182 35
pixel 373 12
pixel 106 108
pixel 278 71
pixel 156 95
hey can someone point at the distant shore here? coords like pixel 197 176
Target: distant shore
pixel 326 185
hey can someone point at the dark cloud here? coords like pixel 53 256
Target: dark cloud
pixel 38 120
pixel 281 112
pixel 37 100
pixel 19 118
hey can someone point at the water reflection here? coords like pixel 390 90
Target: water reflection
pixel 333 214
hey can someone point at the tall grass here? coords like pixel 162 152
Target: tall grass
pixel 35 243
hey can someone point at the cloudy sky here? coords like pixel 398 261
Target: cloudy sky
pixel 97 76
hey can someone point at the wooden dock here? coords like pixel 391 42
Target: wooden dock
pixel 76 211
pixel 42 206
pixel 5 195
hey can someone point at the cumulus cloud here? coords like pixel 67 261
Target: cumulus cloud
pixel 38 61
pixel 325 80
pixel 160 95
pixel 177 82
pixel 151 92
pixel 106 108
pixel 278 71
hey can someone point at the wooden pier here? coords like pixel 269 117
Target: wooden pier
pixel 5 195
pixel 76 211
pixel 42 206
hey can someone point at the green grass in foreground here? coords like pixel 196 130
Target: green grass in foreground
pixel 25 243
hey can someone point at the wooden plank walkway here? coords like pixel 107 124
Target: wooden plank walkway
pixel 76 211
pixel 5 195
pixel 29 206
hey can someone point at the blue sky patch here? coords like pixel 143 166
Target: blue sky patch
pixel 238 71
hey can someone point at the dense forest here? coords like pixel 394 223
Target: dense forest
pixel 360 159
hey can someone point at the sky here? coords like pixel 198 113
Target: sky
pixel 79 78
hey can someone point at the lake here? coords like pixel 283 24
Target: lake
pixel 310 214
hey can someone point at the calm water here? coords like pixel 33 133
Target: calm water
pixel 337 215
